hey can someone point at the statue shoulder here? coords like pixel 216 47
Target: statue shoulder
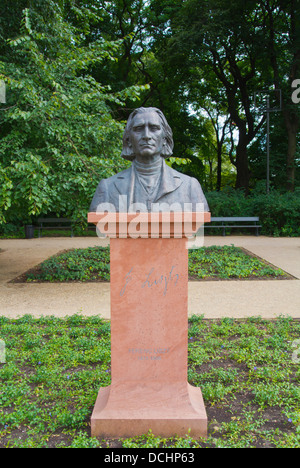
pixel 106 183
pixel 185 178
pixel 120 175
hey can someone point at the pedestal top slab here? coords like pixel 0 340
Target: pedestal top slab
pixel 149 225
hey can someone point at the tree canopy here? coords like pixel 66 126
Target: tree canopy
pixel 58 135
pixel 75 70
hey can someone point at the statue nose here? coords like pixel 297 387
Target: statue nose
pixel 147 135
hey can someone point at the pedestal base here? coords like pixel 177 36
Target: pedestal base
pixel 149 337
pixel 132 411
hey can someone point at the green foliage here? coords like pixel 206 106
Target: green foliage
pixel 55 367
pixel 93 264
pixel 223 52
pixel 227 262
pixel 58 136
pixel 74 71
pixel 62 384
pixel 89 264
pixel 279 213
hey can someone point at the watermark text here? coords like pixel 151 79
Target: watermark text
pixel 2 92
pixel 2 352
pixel 163 221
pixel 296 353
pixel 296 93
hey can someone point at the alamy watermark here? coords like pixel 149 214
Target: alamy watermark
pixel 296 93
pixel 163 220
pixel 2 352
pixel 296 353
pixel 2 92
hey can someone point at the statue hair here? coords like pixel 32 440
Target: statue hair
pixel 168 148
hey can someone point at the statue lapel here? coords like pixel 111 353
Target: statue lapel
pixel 125 185
pixel 170 182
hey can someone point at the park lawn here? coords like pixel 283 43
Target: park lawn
pixel 248 371
pixel 207 263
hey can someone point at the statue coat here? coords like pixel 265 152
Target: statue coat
pixel 174 188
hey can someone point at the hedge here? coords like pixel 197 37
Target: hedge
pixel 279 213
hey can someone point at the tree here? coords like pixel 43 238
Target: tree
pixel 142 60
pixel 246 45
pixel 58 136
pixel 282 44
pixel 220 37
pixel 208 99
pixel 123 21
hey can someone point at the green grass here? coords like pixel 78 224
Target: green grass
pixel 92 264
pixel 247 370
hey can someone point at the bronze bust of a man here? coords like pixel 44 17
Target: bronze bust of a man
pixel 149 184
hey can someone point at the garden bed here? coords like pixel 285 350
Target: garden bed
pixel 248 371
pixel 205 264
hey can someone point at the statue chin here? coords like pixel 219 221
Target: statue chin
pixel 147 155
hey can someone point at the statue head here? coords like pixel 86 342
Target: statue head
pixel 147 134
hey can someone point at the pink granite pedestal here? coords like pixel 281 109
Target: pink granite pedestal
pixel 149 339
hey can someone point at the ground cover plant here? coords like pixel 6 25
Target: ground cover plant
pixel 248 371
pixel 229 262
pixel 92 264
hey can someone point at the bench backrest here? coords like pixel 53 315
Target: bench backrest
pixel 54 220
pixel 235 219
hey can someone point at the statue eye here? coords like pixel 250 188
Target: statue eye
pixel 155 128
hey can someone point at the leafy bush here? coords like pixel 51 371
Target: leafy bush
pixel 11 231
pixel 279 213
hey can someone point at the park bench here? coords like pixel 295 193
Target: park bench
pixel 235 222
pixel 54 223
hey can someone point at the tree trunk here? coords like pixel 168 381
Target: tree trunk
pixel 219 169
pixel 292 124
pixel 243 173
pixel 291 152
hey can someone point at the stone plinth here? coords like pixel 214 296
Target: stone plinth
pixel 149 335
